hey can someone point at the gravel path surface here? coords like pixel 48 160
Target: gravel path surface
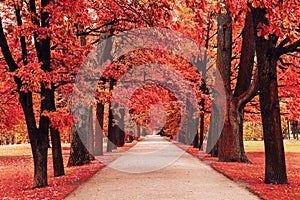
pixel 157 169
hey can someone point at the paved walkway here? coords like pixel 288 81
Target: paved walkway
pixel 157 169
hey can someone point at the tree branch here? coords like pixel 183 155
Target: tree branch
pixel 294 47
pixel 5 50
pixel 251 92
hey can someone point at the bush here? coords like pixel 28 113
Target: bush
pixel 253 131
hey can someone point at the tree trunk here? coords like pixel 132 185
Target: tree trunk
pixel 58 163
pixel 144 131
pixel 39 142
pixel 212 144
pixel 192 124
pixel 138 131
pixel 91 131
pixel 196 140
pixel 275 170
pixel 79 155
pixel 229 139
pixel 295 129
pixel 121 126
pixel 245 74
pixel 288 130
pixel 99 130
pixel 229 147
pixel 111 137
pixel 201 134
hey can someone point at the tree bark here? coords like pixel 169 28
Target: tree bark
pixel 245 74
pixel 90 132
pixel 111 142
pixel 39 142
pixel 228 140
pixel 196 140
pixel 99 130
pixel 275 170
pixel 79 155
pixel 202 115
pixel 212 144
pixel 138 131
pixel 58 163
pixel 111 136
pixel 231 147
pixel 121 140
pixel 295 129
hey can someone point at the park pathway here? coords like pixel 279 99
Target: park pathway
pixel 157 169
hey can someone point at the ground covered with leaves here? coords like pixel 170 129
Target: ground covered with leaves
pixel 251 176
pixel 16 174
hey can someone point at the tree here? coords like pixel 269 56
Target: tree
pixel 271 46
pixel 38 136
pixel 231 139
pixel 39 66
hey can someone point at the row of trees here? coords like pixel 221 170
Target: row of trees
pixel 43 44
pixel 261 40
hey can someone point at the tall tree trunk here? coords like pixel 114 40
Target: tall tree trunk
pixel 138 131
pixel 90 131
pixel 295 129
pixel 44 125
pixel 244 75
pixel 192 123
pixel 121 126
pixel 39 143
pixel 111 142
pixel 231 147
pixel 111 136
pixel 99 130
pixel 213 132
pixel 58 163
pixel 196 140
pixel 48 97
pixel 201 134
pixel 79 155
pixel 228 140
pixel 275 170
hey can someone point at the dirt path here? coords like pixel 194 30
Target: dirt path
pixel 157 169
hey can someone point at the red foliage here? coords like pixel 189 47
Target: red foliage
pixel 17 172
pixel 16 183
pixel 252 175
